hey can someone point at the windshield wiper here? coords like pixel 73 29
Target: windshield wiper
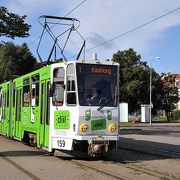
pixel 100 107
pixel 108 101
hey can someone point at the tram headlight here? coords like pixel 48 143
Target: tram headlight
pixel 83 127
pixel 112 128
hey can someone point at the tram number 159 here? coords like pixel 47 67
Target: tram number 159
pixel 61 143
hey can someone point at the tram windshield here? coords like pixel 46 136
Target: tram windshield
pixel 97 85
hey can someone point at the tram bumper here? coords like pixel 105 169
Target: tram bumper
pixel 98 146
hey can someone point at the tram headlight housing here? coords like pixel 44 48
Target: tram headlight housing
pixel 112 127
pixel 83 127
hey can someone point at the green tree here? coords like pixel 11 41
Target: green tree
pixel 134 80
pixel 156 92
pixel 12 25
pixel 15 61
pixel 169 94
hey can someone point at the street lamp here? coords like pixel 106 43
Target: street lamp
pixel 150 91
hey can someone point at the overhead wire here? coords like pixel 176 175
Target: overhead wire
pixel 134 29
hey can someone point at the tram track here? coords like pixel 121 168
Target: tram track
pixel 104 168
pixel 103 165
pixel 153 172
pixel 20 168
pixel 97 169
pixel 152 152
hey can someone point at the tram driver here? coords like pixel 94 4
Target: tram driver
pixel 94 97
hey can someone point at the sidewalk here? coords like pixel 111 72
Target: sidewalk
pixel 152 125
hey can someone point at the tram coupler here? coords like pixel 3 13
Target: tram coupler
pixel 98 146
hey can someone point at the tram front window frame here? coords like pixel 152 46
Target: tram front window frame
pixel 97 85
pixel 70 86
pixel 58 86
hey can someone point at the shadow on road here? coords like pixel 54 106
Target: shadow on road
pixel 20 153
pixel 133 151
pixel 123 155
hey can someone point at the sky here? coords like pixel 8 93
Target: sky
pixel 102 20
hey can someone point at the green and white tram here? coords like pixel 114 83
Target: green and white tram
pixel 67 106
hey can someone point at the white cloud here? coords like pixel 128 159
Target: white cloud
pixel 95 39
pixel 104 19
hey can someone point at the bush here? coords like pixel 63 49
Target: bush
pixel 176 115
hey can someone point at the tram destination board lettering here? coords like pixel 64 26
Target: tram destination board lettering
pixel 101 70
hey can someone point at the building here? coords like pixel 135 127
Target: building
pixel 175 83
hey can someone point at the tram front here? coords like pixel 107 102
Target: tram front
pixel 98 106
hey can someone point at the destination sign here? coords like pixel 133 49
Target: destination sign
pixel 96 69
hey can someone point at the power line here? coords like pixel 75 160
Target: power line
pixel 134 29
pixel 75 7
pixel 32 42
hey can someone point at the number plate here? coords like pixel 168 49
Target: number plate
pixel 98 124
pixel 62 143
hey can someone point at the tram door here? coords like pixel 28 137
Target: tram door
pixel 44 114
pixel 1 112
pixel 17 123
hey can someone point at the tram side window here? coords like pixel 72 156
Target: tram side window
pixel 35 91
pixel 71 91
pixel 26 92
pixel 58 86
